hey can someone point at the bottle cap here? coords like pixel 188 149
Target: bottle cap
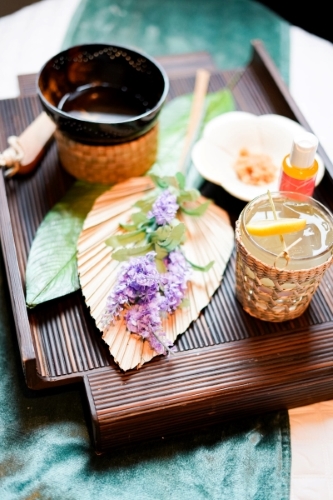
pixel 303 150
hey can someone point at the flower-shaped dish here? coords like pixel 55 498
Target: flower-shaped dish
pixel 226 135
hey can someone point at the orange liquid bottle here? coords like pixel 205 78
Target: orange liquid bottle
pixel 299 168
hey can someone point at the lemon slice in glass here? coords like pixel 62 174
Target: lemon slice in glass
pixel 275 227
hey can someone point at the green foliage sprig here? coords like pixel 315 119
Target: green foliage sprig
pixel 144 234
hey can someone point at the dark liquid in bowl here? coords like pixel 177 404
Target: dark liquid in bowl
pixel 101 103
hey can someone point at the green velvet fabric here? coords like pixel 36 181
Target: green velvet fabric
pixel 45 451
pixel 224 28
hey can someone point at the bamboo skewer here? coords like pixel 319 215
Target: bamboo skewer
pixel 199 94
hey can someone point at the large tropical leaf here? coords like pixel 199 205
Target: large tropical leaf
pixel 52 267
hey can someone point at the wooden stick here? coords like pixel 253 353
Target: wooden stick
pixel 276 218
pixel 200 91
pixel 26 150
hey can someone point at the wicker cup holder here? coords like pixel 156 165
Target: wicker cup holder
pixel 270 293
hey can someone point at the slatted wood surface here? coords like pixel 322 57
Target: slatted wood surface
pixel 227 363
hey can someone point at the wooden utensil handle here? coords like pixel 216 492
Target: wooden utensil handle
pixel 199 94
pixel 26 150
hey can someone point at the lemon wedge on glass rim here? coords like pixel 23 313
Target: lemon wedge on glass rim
pixel 275 227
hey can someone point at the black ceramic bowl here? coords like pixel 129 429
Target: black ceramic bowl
pixel 102 94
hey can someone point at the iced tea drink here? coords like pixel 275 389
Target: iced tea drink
pixel 284 245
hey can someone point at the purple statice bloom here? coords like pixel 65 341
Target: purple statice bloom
pixel 145 295
pixel 140 278
pixel 145 320
pixel 164 209
pixel 174 281
pixel 138 281
pixel 160 343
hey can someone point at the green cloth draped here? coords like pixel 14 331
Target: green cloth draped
pixel 45 451
pixel 224 28
pixel 45 448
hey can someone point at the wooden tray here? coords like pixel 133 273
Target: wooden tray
pixel 228 364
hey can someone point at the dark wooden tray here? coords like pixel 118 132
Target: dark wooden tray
pixel 228 364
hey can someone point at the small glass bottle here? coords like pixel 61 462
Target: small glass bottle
pixel 299 168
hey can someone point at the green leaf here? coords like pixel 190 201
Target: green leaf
pixel 218 102
pixel 161 252
pixel 161 234
pixel 201 268
pixel 165 182
pixel 121 240
pixel 175 237
pixel 169 181
pixel 128 227
pixel 155 179
pixel 181 180
pixel 52 268
pixel 125 253
pixel 189 195
pixel 139 218
pixel 200 210
pixel 146 204
pixel 161 182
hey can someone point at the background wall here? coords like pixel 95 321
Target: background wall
pixel 7 7
pixel 312 16
pixel 307 16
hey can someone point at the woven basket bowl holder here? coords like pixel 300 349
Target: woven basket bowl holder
pixel 108 164
pixel 273 294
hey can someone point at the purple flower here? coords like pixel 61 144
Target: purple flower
pixel 174 281
pixel 164 209
pixel 138 280
pixel 146 295
pixel 160 343
pixel 144 319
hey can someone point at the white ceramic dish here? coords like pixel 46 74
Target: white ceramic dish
pixel 215 154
